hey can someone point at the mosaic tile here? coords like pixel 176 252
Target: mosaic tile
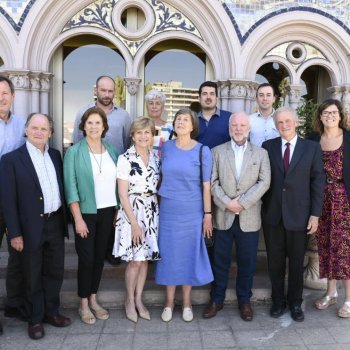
pixel 248 14
pixel 16 11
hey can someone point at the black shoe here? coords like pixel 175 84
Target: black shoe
pixel 1 330
pixel 16 312
pixel 113 260
pixel 297 313
pixel 277 310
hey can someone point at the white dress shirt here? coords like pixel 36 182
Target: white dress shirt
pixel 292 143
pixel 239 154
pixel 46 173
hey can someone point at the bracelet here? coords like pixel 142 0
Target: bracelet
pixel 207 212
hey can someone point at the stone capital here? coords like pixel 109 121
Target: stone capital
pixel 45 81
pixel 132 84
pixel 19 78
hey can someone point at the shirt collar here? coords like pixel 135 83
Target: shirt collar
pixel 217 113
pixel 32 148
pixel 292 142
pixel 237 147
pixel 269 116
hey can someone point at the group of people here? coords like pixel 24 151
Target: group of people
pixel 148 190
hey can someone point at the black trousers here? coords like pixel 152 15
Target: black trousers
pixel 92 250
pixel 14 273
pixel 43 270
pixel 280 245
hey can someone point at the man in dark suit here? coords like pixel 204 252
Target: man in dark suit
pixel 33 204
pixel 291 208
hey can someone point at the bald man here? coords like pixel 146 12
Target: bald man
pixel 240 177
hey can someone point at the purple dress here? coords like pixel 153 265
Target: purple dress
pixel 333 235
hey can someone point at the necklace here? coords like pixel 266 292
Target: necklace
pixel 98 164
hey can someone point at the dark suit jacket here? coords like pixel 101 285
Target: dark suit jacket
pixel 299 194
pixel 346 158
pixel 22 197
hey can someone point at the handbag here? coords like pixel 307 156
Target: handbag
pixel 209 242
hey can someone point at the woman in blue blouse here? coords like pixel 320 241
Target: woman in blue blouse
pixel 185 214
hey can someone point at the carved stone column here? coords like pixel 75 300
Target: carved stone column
pixel 294 93
pixel 312 272
pixel 45 84
pixel 132 85
pixel 346 100
pixel 242 95
pixel 224 88
pixel 21 81
pixel 336 92
pixel 251 96
pixel 35 91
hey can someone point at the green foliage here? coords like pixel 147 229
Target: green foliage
pixel 306 113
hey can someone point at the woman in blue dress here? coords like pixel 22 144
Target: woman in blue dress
pixel 185 214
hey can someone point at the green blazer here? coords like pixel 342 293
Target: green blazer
pixel 78 178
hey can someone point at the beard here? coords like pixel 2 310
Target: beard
pixel 105 101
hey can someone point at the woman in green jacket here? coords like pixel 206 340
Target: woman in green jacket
pixel 90 175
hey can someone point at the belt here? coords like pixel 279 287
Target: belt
pixel 53 213
pixel 145 194
pixel 332 181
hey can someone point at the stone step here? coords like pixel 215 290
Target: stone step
pixel 112 288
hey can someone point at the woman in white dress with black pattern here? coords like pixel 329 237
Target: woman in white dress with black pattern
pixel 136 233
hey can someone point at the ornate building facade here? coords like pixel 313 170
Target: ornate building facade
pixel 306 41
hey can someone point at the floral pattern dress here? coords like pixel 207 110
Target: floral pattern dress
pixel 333 235
pixel 142 193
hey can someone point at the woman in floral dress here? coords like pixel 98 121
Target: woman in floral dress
pixel 333 235
pixel 136 232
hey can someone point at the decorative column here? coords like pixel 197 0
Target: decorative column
pixel 241 94
pixel 312 273
pixel 224 88
pixel 294 94
pixel 251 96
pixel 35 87
pixel 346 100
pixel 21 81
pixel 132 85
pixel 44 91
pixel 336 92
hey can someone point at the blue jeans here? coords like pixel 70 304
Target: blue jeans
pixel 246 244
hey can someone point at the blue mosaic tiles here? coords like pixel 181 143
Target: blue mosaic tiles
pixel 247 15
pixel 16 12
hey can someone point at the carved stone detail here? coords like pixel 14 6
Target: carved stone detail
pixel 132 84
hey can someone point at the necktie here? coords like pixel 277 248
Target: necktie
pixel 286 156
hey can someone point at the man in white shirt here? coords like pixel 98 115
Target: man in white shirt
pixel 262 126
pixel 241 175
pixel 31 180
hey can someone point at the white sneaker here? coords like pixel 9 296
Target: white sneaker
pixel 187 314
pixel 167 314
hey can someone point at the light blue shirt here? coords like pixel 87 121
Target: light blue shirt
pixel 119 123
pixel 11 134
pixel 261 128
pixel 46 173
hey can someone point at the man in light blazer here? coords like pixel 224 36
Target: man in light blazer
pixel 240 177
pixel 290 210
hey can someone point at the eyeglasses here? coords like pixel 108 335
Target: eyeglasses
pixel 328 113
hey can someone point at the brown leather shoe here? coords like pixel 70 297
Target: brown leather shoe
pixel 212 309
pixel 246 312
pixel 36 331
pixel 57 320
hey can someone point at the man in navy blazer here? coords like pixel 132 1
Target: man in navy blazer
pixel 32 197
pixel 291 208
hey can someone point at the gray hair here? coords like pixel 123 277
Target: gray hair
pixel 282 110
pixel 49 119
pixel 154 94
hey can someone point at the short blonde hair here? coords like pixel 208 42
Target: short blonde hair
pixel 141 123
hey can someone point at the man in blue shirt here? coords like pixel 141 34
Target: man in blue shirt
pixel 213 122
pixel 11 137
